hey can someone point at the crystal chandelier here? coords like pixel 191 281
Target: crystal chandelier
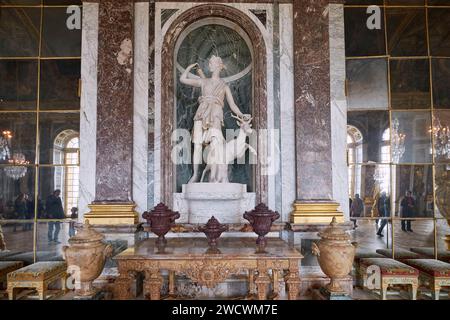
pixel 398 142
pixel 17 168
pixel 5 139
pixel 441 136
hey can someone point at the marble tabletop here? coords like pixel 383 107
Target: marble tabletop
pixel 194 248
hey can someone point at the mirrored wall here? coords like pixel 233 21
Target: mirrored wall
pixel 40 48
pixel 398 136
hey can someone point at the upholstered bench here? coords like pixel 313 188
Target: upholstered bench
pixel 7 267
pixel 428 252
pixel 38 276
pixel 392 272
pixel 434 273
pixel 362 254
pixel 399 254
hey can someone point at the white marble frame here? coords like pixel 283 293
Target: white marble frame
pixel 88 106
pixel 338 106
pixel 267 33
pixel 140 103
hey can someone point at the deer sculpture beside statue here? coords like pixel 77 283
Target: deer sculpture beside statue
pixel 217 161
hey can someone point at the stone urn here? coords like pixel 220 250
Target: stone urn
pixel 161 219
pixel 335 253
pixel 213 229
pixel 261 219
pixel 85 257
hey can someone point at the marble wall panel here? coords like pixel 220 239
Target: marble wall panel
pixel 115 101
pixel 312 100
pixel 88 105
pixel 140 102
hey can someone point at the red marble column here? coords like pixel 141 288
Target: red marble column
pixel 314 178
pixel 115 102
pixel 312 99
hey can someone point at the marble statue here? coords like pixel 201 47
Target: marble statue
pixel 208 122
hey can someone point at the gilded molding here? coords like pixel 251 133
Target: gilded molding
pixel 320 212
pixel 112 214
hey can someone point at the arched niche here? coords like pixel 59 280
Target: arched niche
pixel 168 101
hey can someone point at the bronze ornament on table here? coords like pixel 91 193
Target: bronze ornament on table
pixel 86 256
pixel 161 219
pixel 261 219
pixel 335 254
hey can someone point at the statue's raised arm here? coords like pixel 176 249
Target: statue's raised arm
pixel 190 82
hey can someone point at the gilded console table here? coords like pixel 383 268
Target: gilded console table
pixel 193 258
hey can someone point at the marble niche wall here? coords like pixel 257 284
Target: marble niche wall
pixel 274 23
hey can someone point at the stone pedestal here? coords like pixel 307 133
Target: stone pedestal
pixel 324 294
pixel 225 201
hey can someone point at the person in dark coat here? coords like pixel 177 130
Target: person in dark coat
pixel 54 210
pixel 356 209
pixel 20 208
pixel 407 206
pixel 384 209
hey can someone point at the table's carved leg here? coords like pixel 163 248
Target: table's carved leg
pixel 276 285
pixel 251 282
pixel 414 288
pixel 171 283
pixel 262 281
pixel 152 284
pixel 63 284
pixel 11 293
pixel 436 291
pixel 384 288
pixel 42 291
pixel 122 285
pixel 293 280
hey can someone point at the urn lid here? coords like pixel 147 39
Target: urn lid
pixel 86 234
pixel 213 225
pixel 334 232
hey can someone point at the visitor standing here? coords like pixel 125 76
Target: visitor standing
pixel 54 210
pixel 384 209
pixel 356 209
pixel 407 206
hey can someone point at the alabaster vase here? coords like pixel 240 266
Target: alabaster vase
pixel 335 254
pixel 85 257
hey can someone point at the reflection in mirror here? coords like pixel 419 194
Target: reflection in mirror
pixel 368 136
pixel 17 241
pixel 411 137
pixel 51 237
pixel 64 179
pixel 441 85
pixel 441 135
pixel 443 233
pixel 368 183
pixel 367 84
pixel 410 84
pixel 57 133
pixel 17 138
pixel 408 241
pixel 442 179
pixel 413 191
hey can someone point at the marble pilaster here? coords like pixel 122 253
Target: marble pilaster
pixel 319 97
pixel 88 107
pixel 140 102
pixel 115 102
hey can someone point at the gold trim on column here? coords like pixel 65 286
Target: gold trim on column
pixel 319 212
pixel 112 214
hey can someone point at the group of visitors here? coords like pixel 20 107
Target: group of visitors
pixel 24 208
pixel 382 208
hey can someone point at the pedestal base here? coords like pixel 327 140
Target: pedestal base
pixel 225 201
pixel 112 214
pixel 316 212
pixel 98 295
pixel 324 294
